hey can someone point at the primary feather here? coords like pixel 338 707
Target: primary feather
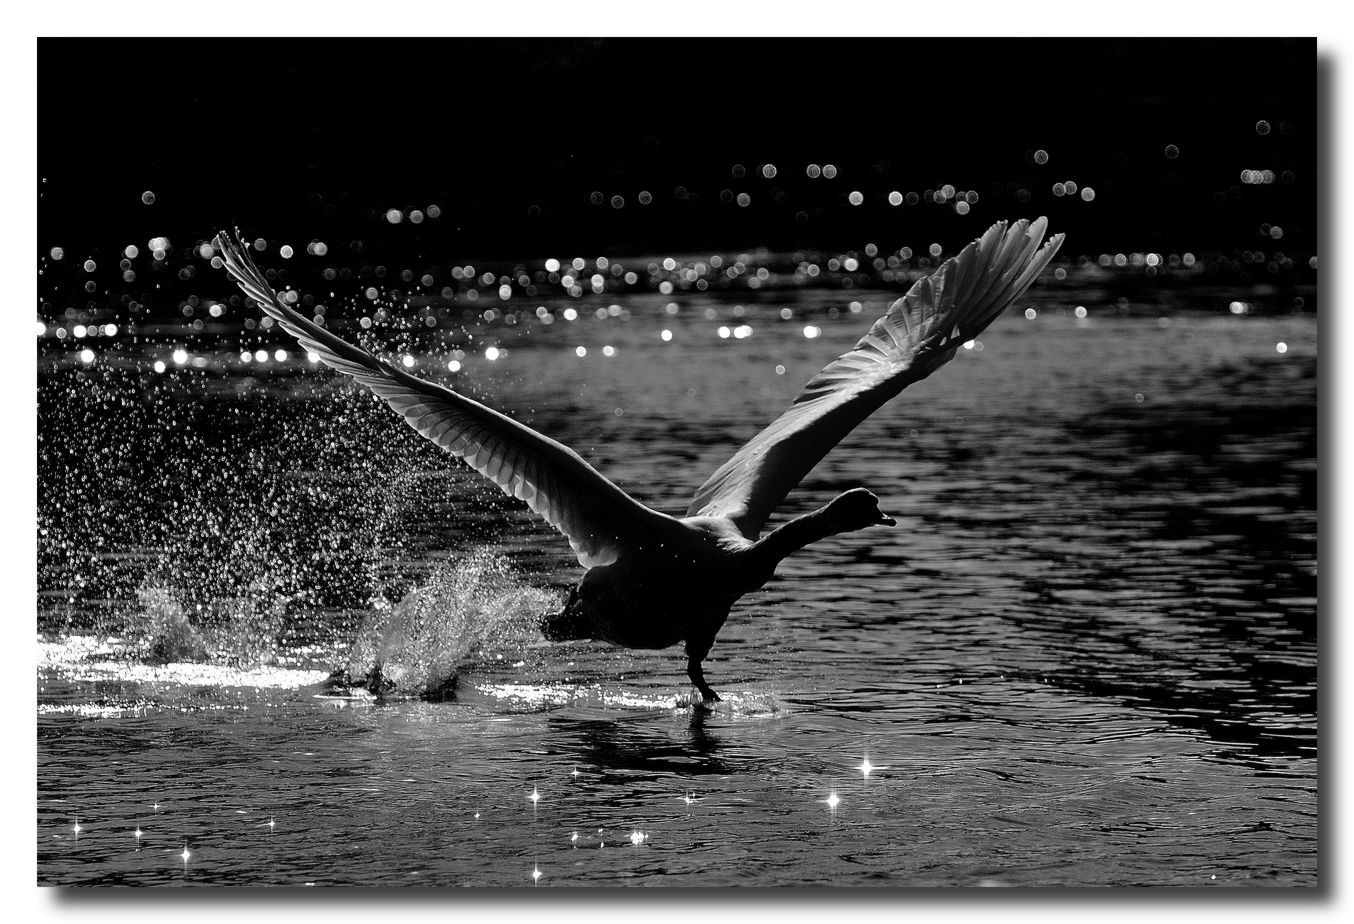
pixel 918 334
pixel 597 517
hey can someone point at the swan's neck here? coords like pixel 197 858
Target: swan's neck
pixel 790 537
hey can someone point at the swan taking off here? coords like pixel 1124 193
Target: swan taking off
pixel 653 580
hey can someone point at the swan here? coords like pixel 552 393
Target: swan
pixel 652 580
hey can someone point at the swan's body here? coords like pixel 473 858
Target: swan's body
pixel 654 580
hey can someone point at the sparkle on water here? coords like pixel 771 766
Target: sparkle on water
pixel 278 513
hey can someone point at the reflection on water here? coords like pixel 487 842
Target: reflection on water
pixel 1086 655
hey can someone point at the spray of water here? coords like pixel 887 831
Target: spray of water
pixel 467 606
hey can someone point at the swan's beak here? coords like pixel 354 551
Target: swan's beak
pixel 885 520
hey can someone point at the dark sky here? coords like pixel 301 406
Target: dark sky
pixel 510 138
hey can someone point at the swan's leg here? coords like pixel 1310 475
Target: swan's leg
pixel 695 654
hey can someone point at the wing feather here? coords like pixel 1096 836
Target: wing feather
pixel 597 517
pixel 918 334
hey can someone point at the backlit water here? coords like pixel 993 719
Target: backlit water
pixel 1086 655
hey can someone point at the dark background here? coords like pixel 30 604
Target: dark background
pixel 317 139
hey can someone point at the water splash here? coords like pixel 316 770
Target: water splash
pixel 243 630
pixel 466 606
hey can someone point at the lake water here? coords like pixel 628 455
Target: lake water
pixel 1085 656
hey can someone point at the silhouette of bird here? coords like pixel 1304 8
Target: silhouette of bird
pixel 653 580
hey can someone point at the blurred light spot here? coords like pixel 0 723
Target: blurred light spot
pixel 608 350
pixel 581 351
pixel 312 356
pixel 492 353
pixel 780 370
pixel 571 314
pixel 454 365
pixel 246 356
pixel 159 366
pixel 723 332
pixel 42 329
pixel 87 355
pixel 810 331
pixel 180 357
pixel 895 198
pixel 280 356
pixel 855 198
pixel 79 330
pixel 130 251
pixel 110 330
pixel 742 331
pixel 552 265
pixel 394 216
pixel 1031 314
pixel 285 252
pixel 505 292
pixel 665 335
pixel 1079 311
pixel 260 356
pixel 1280 346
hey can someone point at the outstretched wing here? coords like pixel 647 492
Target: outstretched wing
pixel 597 517
pixel 917 335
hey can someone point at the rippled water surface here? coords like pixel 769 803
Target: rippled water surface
pixel 1085 656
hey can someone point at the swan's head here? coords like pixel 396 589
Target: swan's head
pixel 858 508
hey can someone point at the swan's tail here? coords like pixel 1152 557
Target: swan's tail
pixel 568 624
